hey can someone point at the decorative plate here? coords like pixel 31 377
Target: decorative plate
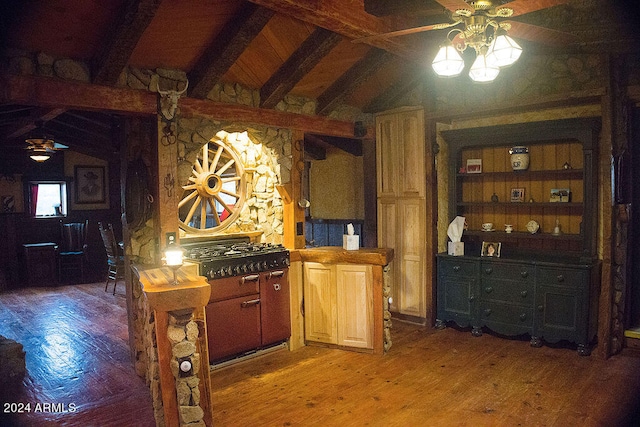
pixel 533 226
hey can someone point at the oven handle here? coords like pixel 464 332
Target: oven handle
pixel 252 278
pixel 246 304
pixel 277 273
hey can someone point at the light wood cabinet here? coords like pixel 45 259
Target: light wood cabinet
pixel 401 185
pixel 338 304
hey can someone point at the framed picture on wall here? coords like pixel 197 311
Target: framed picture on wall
pixel 90 184
pixel 517 194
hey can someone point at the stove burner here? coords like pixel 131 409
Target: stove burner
pixel 231 258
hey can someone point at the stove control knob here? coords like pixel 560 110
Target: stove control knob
pixel 236 269
pixel 211 274
pixel 244 268
pixel 265 265
pixel 252 267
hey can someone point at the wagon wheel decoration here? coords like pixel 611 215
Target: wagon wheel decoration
pixel 214 196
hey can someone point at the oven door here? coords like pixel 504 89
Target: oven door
pixel 276 318
pixel 233 326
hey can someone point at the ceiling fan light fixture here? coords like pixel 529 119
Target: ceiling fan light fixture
pixel 40 157
pixel 482 70
pixel 504 51
pixel 448 62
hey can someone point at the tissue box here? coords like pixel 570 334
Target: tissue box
pixel 351 242
pixel 455 248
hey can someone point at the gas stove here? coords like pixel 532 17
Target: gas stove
pixel 219 259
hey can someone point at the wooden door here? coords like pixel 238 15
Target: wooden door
pixel 387 154
pixel 355 305
pixel 411 261
pixel 320 303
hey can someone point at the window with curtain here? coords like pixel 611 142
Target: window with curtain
pixel 48 199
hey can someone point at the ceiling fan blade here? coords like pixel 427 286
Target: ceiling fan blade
pixel 405 32
pixel 540 34
pixel 454 5
pixel 520 7
pixel 58 146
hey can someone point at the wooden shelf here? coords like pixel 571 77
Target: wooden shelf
pixel 539 174
pixel 562 205
pixel 503 235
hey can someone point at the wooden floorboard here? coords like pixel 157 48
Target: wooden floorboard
pixel 76 342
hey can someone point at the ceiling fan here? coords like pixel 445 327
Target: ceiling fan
pixel 41 145
pixel 483 25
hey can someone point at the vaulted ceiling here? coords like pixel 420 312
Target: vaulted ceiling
pixel 280 47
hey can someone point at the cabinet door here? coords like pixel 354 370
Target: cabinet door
pixel 410 258
pixel 387 155
pixel 411 141
pixel 561 305
pixel 457 290
pixel 320 303
pixel 387 235
pixel 355 305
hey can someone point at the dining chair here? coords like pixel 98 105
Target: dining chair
pixel 115 260
pixel 72 251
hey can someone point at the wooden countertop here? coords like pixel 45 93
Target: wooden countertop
pixel 337 255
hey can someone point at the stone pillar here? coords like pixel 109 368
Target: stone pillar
pixel 182 368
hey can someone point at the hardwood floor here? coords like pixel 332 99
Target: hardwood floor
pixel 76 343
pixel 77 353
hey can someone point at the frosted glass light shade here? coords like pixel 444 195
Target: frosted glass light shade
pixel 40 157
pixel 482 71
pixel 504 51
pixel 448 62
pixel 173 256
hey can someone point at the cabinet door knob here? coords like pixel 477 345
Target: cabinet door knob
pixel 523 316
pixel 524 274
pixel 560 278
pixel 488 270
pixel 523 294
pixel 487 311
pixel 488 289
pixel 540 308
pixel 456 268
pixel 471 298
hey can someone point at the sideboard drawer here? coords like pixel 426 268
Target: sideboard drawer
pixel 523 273
pixel 457 267
pixel 515 292
pixel 571 277
pixel 507 314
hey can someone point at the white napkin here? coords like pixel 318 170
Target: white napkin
pixel 350 229
pixel 456 228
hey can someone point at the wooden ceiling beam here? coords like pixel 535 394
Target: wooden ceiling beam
pixel 349 145
pixel 307 56
pixel 386 7
pixel 313 148
pixel 349 81
pixel 39 115
pixel 234 38
pixel 116 51
pixel 41 91
pixel 346 18
pixel 409 79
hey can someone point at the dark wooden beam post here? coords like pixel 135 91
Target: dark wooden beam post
pixel 350 80
pixel 117 50
pixel 227 48
pixel 307 56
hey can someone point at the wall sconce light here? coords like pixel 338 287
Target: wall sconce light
pixel 173 255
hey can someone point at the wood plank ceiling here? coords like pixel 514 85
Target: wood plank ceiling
pixel 279 47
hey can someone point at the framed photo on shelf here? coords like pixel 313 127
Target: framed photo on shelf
pixel 474 165
pixel 491 249
pixel 560 195
pixel 517 194
pixel 90 184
